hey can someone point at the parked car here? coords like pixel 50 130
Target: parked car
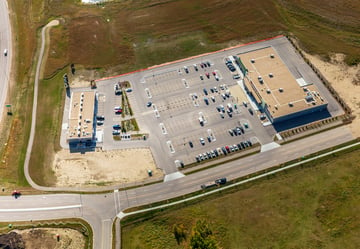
pixel 206 100
pixel 191 144
pixel 116 127
pixel 149 104
pixel 205 91
pixel 202 141
pixel 5 52
pixel 251 111
pixel 116 132
pixel 100 118
pixel 201 77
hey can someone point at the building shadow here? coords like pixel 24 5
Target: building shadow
pixel 68 92
pixel 301 120
pixel 82 147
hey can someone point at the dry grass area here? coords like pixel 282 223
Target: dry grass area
pixel 125 35
pixel 103 168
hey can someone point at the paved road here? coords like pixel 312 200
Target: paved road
pixel 100 209
pixel 5 61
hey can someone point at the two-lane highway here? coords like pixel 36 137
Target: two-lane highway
pixel 5 61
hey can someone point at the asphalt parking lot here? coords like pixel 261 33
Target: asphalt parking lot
pixel 188 107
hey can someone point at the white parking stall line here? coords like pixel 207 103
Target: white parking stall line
pixel 157 114
pixel 163 129
pixel 148 93
pixel 171 147
pixel 186 84
pixel 211 135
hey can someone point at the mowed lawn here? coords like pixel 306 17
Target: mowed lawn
pixel 312 207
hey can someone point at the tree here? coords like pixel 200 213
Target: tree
pixel 202 237
pixel 179 233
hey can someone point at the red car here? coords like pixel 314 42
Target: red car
pixel 227 149
pixel 214 73
pixel 118 111
pixel 16 194
pixel 207 75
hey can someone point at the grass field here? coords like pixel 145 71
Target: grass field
pixel 312 207
pixel 125 35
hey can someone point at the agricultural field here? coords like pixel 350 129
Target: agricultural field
pixel 315 206
pixel 121 36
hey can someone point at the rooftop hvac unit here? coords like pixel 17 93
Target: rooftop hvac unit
pixel 80 116
pixel 271 75
pixel 252 60
pixel 78 134
pixel 281 89
pixel 291 104
pixel 81 109
pixel 276 107
pixel 82 94
pixel 305 89
pixel 268 90
pixel 272 56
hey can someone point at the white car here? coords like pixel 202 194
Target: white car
pixel 5 52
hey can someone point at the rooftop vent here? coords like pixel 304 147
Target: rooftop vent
pixel 291 104
pixel 268 90
pixel 281 89
pixel 272 56
pixel 271 75
pixel 276 107
pixel 252 60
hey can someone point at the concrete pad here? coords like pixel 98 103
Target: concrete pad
pixel 269 146
pixel 173 176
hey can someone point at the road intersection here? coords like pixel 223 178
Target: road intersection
pixel 100 210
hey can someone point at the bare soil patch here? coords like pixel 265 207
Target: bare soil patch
pixel 43 238
pixel 103 167
pixel 345 81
